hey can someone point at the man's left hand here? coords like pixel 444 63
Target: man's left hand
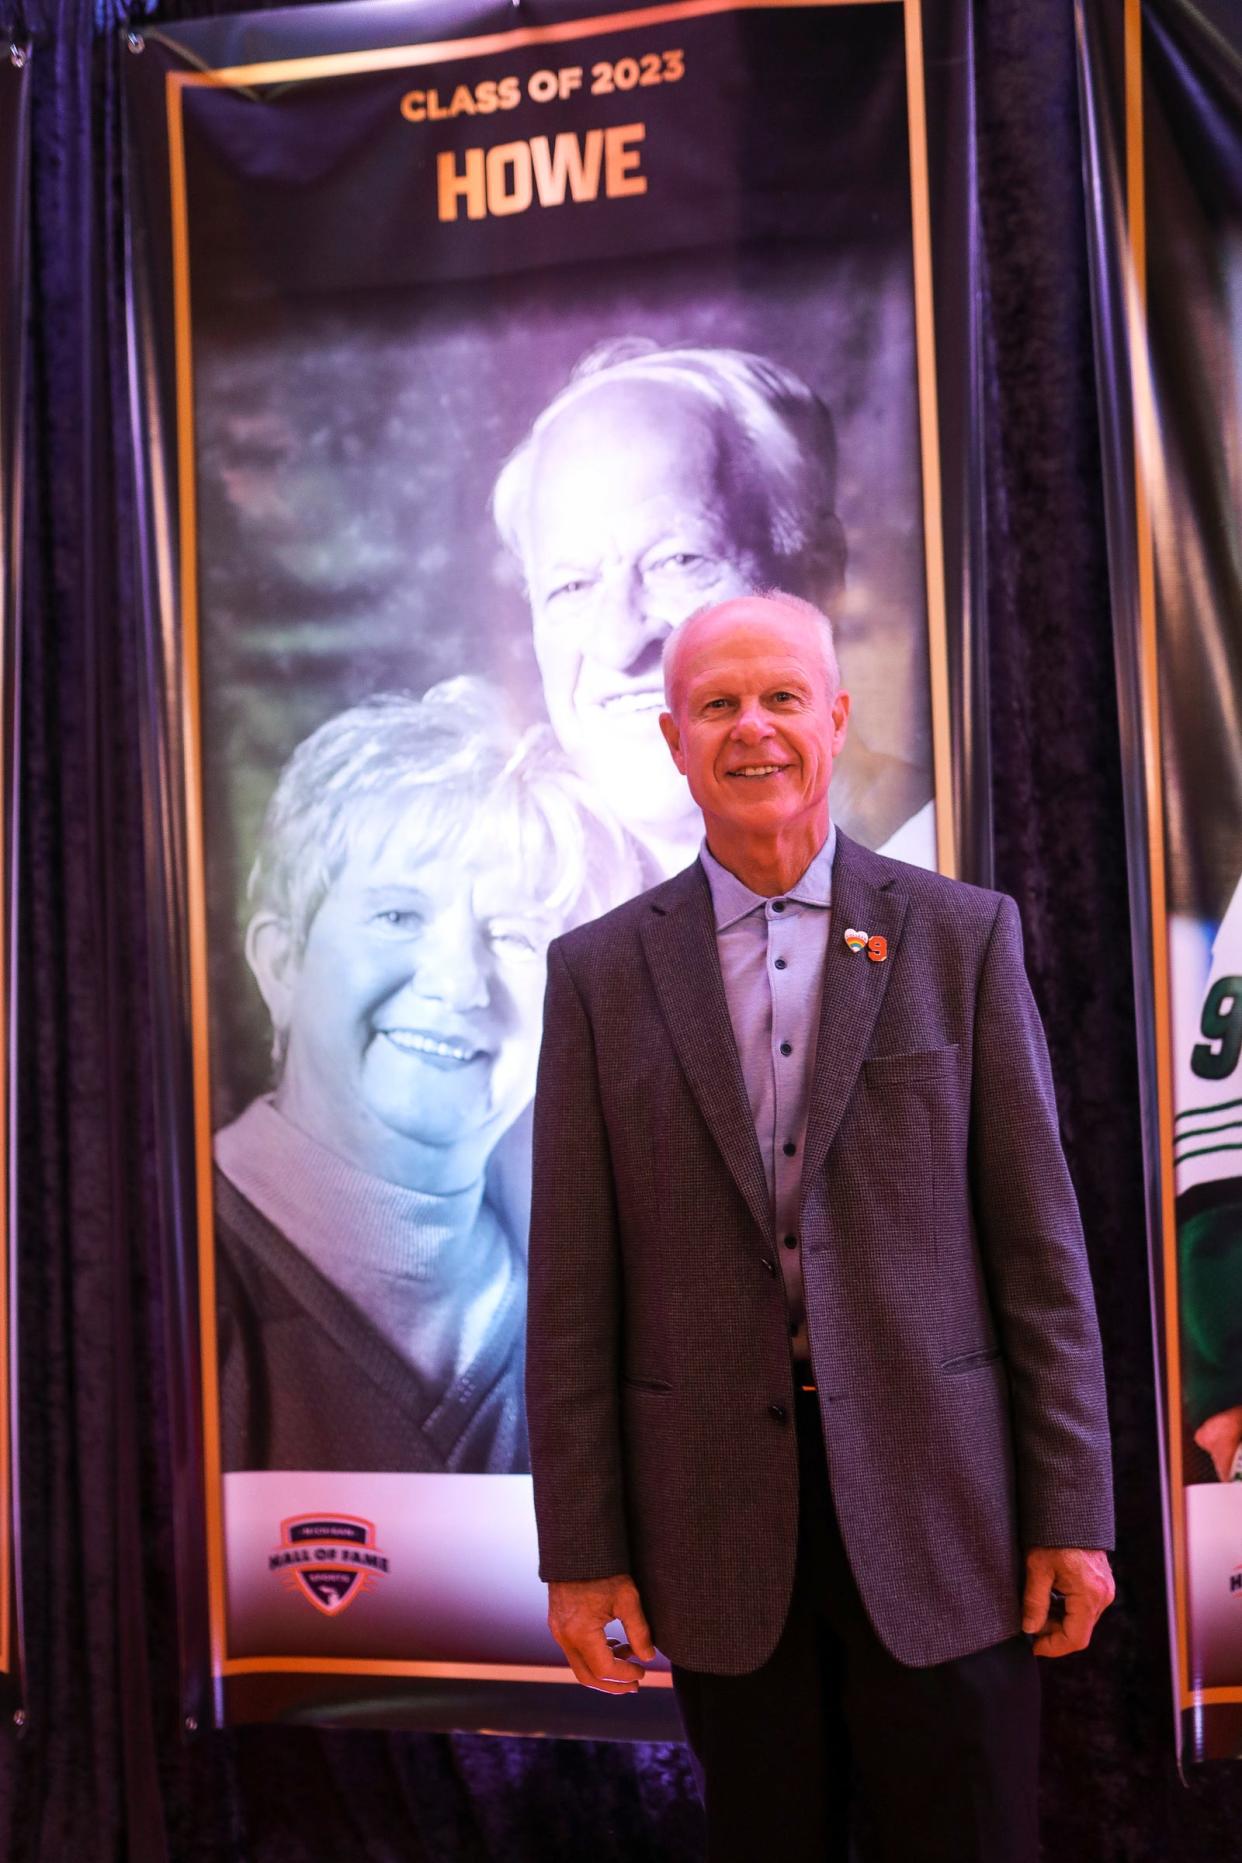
pixel 1085 1582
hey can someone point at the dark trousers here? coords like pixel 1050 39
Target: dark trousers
pixel 833 1740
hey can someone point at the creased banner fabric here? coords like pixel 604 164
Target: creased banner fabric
pixel 1162 95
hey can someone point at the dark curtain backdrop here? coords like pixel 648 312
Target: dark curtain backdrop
pixel 101 1769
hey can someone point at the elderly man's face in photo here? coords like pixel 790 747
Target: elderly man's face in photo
pixel 414 1011
pixel 636 520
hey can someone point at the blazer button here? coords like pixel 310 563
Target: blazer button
pixel 777 1411
pixel 769 1264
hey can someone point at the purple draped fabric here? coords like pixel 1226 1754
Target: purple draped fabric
pixel 102 1769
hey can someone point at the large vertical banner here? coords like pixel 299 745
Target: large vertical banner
pixel 14 142
pixel 1162 94
pixel 476 347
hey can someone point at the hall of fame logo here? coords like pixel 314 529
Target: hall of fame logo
pixel 329 1559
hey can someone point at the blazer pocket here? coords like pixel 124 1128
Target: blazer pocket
pixel 892 1070
pixel 656 1386
pixel 970 1361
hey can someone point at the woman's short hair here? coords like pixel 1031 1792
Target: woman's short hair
pixel 455 760
pixel 783 442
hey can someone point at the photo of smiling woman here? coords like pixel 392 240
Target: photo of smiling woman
pixel 416 858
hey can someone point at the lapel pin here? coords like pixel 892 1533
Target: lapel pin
pixel 855 940
pixel 877 949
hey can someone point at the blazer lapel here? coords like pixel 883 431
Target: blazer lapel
pixel 863 899
pixel 679 939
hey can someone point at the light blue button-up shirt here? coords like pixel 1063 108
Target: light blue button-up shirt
pixel 772 961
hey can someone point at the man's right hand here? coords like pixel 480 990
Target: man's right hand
pixel 578 1610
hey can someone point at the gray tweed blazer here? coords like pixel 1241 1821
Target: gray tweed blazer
pixel 950 1310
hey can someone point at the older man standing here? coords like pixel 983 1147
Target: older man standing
pixel 658 480
pixel 814 1389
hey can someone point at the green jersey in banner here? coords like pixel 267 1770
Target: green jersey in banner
pixel 477 347
pixel 1162 89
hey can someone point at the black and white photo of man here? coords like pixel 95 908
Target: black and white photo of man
pixel 659 480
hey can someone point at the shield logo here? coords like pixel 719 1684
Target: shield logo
pixel 329 1560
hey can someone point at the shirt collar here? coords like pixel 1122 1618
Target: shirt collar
pixel 732 899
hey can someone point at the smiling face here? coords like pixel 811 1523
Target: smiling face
pixel 412 1014
pixel 635 521
pixel 755 724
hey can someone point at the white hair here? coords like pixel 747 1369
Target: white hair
pixel 780 436
pixel 453 760
pixel 780 598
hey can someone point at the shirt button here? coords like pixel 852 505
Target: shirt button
pixel 778 905
pixel 786 1047
pixel 779 964
pixel 791 1241
pixel 777 1411
pixel 789 1148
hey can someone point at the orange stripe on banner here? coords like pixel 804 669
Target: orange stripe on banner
pixel 929 437
pixel 453 1671
pixel 444 51
pixel 1212 1697
pixel 187 504
pixel 1146 471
